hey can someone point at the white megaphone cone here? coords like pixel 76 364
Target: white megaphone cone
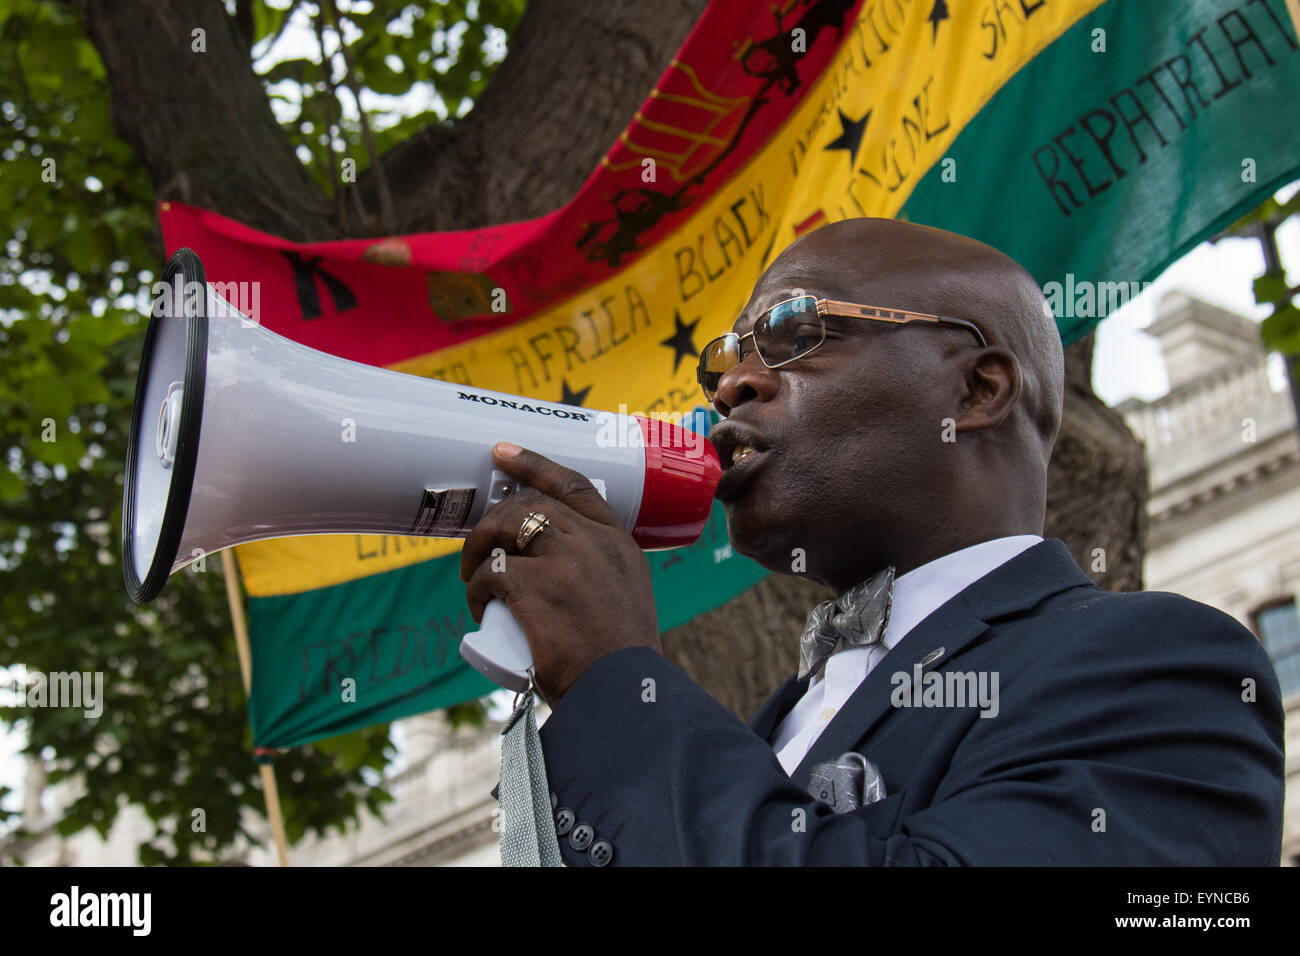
pixel 239 434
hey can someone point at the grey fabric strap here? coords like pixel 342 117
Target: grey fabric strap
pixel 527 826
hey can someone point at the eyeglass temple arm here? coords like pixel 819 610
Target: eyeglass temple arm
pixel 853 309
pixel 963 323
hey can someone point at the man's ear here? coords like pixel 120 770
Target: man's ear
pixel 991 387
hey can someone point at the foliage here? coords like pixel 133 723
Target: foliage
pixel 1281 329
pixel 448 47
pixel 78 211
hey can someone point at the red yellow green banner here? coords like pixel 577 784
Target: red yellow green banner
pixel 1084 139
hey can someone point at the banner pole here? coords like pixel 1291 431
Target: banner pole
pixel 269 790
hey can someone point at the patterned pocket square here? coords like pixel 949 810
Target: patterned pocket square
pixel 846 783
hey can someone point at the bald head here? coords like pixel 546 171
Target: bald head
pixel 892 443
pixel 903 265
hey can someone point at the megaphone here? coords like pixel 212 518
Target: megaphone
pixel 239 434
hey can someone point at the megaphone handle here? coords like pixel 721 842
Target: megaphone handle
pixel 498 649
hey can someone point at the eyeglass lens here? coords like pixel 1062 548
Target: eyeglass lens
pixel 783 333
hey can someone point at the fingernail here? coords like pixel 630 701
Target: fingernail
pixel 506 449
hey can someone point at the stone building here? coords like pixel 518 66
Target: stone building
pixel 441 813
pixel 1224 508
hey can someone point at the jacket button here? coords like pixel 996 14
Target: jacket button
pixel 581 837
pixel 555 801
pixel 563 821
pixel 601 852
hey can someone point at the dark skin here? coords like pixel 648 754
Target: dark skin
pixel 580 590
pixel 854 469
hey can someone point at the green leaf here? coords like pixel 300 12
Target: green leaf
pixel 267 20
pixel 11 486
pixel 1281 330
pixel 382 79
pixel 1271 287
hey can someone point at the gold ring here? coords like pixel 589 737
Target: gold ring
pixel 533 525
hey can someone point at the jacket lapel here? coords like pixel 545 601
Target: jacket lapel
pixel 1022 582
pixel 946 630
pixel 777 706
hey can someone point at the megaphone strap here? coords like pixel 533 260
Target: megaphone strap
pixel 527 827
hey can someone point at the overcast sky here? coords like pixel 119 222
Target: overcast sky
pixel 1127 361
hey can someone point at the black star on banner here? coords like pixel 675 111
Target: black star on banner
pixel 851 137
pixel 569 397
pixel 680 341
pixel 937 16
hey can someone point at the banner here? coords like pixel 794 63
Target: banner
pixel 1087 141
pixel 1144 130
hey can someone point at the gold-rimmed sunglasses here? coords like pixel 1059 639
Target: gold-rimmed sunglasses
pixel 794 327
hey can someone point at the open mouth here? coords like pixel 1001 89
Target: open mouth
pixel 745 461
pixel 741 450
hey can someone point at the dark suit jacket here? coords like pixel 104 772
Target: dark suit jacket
pixel 1121 737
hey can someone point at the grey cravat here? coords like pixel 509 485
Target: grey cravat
pixel 856 618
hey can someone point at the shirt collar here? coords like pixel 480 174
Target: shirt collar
pixel 922 591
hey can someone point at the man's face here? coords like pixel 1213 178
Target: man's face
pixel 849 437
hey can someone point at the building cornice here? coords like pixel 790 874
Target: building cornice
pixel 1264 480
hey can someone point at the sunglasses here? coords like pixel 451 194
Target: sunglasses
pixel 795 327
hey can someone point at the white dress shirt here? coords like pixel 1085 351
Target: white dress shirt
pixel 917 594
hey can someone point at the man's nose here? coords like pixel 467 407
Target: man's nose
pixel 749 380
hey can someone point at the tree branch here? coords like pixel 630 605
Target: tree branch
pixel 332 122
pixel 572 80
pixel 206 134
pixel 386 215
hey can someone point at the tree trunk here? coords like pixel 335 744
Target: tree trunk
pixel 206 135
pixel 575 74
pixel 1097 482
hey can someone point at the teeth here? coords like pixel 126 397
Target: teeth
pixel 741 451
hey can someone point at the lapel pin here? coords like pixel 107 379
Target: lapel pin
pixel 930 658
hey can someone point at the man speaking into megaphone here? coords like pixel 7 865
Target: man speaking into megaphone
pixel 891 396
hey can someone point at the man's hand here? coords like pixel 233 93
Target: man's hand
pixel 581 587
